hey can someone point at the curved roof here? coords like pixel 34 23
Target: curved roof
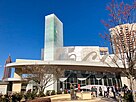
pixel 59 62
pixel 67 64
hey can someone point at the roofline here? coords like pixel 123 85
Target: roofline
pixel 64 62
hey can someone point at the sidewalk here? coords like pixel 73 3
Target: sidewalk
pixel 86 98
pixel 103 99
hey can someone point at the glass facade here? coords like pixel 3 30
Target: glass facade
pixel 53 36
pixel 85 78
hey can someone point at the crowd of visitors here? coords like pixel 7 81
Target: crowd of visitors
pixel 120 93
pixel 114 92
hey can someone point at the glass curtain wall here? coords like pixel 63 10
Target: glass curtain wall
pixel 88 78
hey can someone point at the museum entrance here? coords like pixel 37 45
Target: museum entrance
pixel 84 78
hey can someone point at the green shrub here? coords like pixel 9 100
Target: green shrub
pixel 30 95
pixel 53 92
pixel 17 97
pixel 59 92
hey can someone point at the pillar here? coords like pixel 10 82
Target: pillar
pixel 16 87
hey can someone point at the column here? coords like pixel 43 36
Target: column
pixel 16 87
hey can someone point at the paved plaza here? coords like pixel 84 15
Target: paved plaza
pixel 85 97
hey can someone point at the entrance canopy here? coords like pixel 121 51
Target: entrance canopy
pixel 69 65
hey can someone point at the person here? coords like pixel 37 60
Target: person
pixel 125 90
pixel 72 91
pixel 105 91
pixel 100 91
pixel 95 90
pixel 108 91
pixel 113 91
pixel 71 86
pixel 75 91
pixel 116 88
pixel 92 91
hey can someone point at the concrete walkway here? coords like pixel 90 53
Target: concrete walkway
pixel 85 97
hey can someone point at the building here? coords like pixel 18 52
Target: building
pixel 7 71
pixel 123 34
pixel 84 65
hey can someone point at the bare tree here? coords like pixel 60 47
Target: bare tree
pixel 44 76
pixel 120 13
pixel 122 25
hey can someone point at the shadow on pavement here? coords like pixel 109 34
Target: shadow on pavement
pixel 111 99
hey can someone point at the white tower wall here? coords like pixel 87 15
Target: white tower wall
pixel 53 36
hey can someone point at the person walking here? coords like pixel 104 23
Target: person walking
pixel 92 91
pixel 105 91
pixel 100 91
pixel 95 90
pixel 113 91
pixel 108 91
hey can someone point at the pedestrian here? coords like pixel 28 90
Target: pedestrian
pixel 100 91
pixel 125 89
pixel 108 91
pixel 113 91
pixel 95 90
pixel 116 89
pixel 92 91
pixel 105 91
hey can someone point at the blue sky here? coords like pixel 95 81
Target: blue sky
pixel 22 25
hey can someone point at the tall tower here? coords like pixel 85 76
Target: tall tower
pixel 7 71
pixel 53 36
